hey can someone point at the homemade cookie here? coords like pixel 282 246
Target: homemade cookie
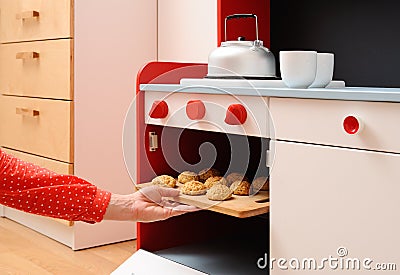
pixel 193 188
pixel 240 188
pixel 232 177
pixel 206 173
pixel 187 176
pixel 259 184
pixel 219 192
pixel 165 181
pixel 215 180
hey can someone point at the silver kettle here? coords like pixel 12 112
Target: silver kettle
pixel 237 59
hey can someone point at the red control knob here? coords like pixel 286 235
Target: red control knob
pixel 159 109
pixel 195 109
pixel 236 114
pixel 351 125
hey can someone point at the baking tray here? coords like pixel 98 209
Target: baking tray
pixel 237 206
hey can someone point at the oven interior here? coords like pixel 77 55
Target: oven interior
pixel 182 149
pixel 208 241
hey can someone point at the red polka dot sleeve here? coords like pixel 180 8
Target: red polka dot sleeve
pixel 36 190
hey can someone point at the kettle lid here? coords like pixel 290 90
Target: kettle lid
pixel 237 43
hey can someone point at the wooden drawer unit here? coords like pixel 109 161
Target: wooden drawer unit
pixel 55 60
pixel 25 20
pixel 38 126
pixel 322 122
pixel 37 69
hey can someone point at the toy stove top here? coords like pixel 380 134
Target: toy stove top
pixel 245 83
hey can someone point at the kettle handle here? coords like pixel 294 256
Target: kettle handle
pixel 242 15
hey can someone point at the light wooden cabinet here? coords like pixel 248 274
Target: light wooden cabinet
pixel 27 20
pixel 38 126
pixel 333 194
pixel 67 79
pixel 37 69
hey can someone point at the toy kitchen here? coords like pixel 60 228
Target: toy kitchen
pixel 331 156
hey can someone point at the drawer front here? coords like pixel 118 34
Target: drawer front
pixel 38 126
pixel 37 69
pixel 53 165
pixel 25 20
pixel 215 111
pixel 321 122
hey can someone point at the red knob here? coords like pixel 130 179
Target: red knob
pixel 159 109
pixel 351 125
pixel 236 114
pixel 195 109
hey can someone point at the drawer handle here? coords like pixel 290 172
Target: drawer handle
pixel 26 112
pixel 352 125
pixel 26 55
pixel 27 15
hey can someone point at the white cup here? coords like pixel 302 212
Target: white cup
pixel 325 64
pixel 298 68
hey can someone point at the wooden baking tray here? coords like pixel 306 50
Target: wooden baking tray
pixel 237 206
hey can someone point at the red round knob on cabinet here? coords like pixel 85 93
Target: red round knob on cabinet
pixel 195 109
pixel 236 114
pixel 351 125
pixel 159 109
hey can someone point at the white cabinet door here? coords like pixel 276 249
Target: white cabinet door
pixel 329 198
pixel 187 30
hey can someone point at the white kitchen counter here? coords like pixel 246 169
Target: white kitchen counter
pixel 346 93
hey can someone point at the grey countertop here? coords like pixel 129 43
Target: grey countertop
pixel 344 93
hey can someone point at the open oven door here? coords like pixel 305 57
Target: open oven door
pixel 143 262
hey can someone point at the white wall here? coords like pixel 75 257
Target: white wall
pixel 187 30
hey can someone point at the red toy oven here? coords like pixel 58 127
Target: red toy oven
pixel 193 130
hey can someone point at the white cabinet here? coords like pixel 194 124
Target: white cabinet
pixel 324 198
pixel 187 30
pixel 329 198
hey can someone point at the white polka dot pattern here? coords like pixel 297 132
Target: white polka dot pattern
pixel 37 190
